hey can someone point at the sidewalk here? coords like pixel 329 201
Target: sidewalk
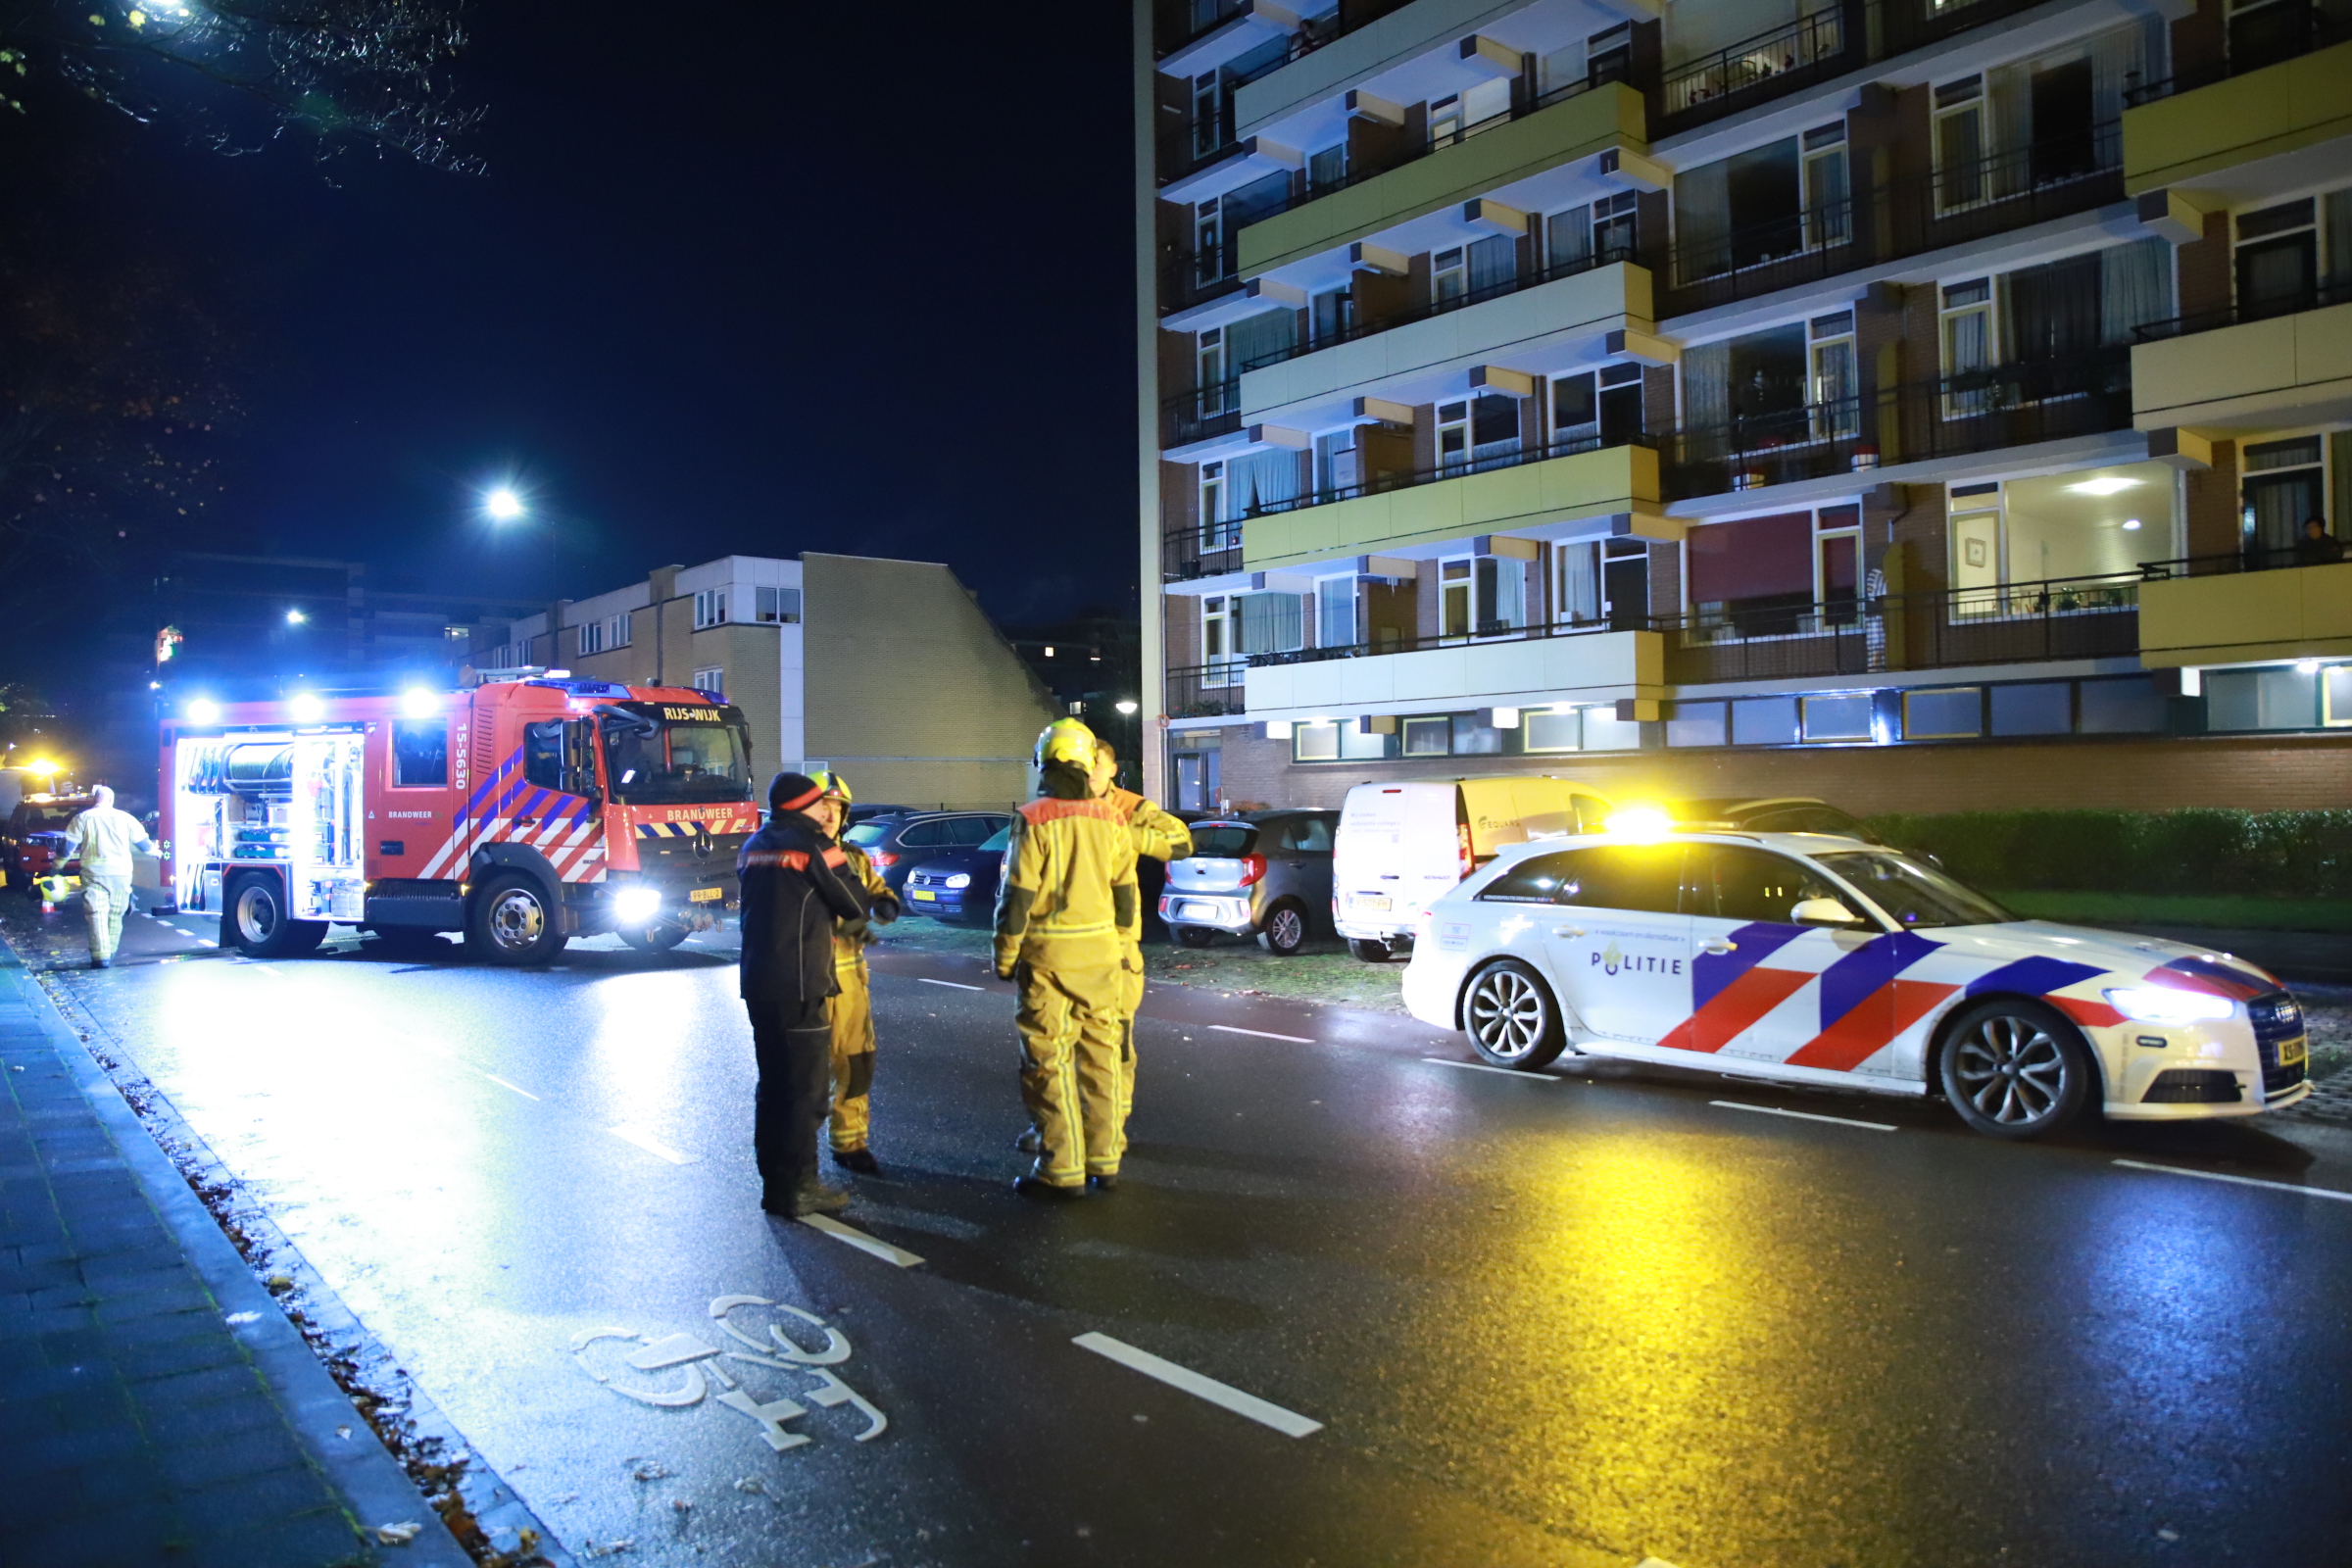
pixel 156 1407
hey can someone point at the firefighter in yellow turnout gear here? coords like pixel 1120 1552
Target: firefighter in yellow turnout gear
pixel 1165 838
pixel 852 1008
pixel 1068 897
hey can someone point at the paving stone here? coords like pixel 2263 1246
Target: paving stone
pixel 249 1453
pixel 255 1501
pixel 320 1539
pixel 111 1541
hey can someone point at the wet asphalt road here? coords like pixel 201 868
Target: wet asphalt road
pixel 1569 1319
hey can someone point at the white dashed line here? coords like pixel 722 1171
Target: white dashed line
pixel 951 985
pixel 205 941
pixel 517 1087
pixel 872 1244
pixel 1806 1115
pixel 1479 1066
pixel 1263 1034
pixel 630 1135
pixel 1289 1423
pixel 2241 1181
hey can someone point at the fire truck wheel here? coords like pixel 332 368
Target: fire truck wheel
pixel 511 922
pixel 256 923
pixel 659 938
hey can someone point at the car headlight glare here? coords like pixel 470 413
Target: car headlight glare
pixel 632 904
pixel 961 879
pixel 2166 1004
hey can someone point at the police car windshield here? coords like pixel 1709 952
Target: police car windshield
pixel 660 754
pixel 1914 895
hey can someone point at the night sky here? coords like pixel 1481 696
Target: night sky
pixel 858 281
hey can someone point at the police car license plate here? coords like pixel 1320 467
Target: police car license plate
pixel 706 894
pixel 1372 902
pixel 2295 1051
pixel 920 894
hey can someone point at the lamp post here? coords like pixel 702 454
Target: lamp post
pixel 504 504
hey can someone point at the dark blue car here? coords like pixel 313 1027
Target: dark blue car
pixel 959 883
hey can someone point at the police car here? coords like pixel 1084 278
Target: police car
pixel 1819 960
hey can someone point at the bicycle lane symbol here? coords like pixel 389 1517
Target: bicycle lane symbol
pixel 699 1364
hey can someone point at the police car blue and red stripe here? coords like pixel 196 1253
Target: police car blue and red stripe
pixel 1827 960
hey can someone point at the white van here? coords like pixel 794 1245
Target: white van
pixel 1402 846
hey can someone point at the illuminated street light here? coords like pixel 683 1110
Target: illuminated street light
pixel 503 505
pixel 295 617
pixel 1126 704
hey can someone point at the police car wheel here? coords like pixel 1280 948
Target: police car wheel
pixel 1286 930
pixel 2016 1070
pixel 257 922
pixel 511 922
pixel 1510 1016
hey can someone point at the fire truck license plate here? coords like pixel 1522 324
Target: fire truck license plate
pixel 706 894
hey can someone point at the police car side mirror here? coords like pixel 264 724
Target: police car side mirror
pixel 1823 912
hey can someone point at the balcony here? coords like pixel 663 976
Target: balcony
pixel 1201 414
pixel 1571 128
pixel 2216 117
pixel 1207 691
pixel 2252 366
pixel 1521 492
pixel 2263 605
pixel 1527 667
pixel 1187 282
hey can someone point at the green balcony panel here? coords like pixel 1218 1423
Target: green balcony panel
pixel 2255 376
pixel 1597 666
pixel 1609 115
pixel 2292 612
pixel 2279 108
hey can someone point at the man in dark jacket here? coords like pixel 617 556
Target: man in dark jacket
pixel 793 892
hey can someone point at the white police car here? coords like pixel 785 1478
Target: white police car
pixel 1827 960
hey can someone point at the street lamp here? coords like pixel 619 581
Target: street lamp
pixel 503 505
pixel 295 617
pixel 1126 704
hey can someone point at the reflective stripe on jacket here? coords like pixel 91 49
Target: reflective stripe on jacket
pixel 1069 887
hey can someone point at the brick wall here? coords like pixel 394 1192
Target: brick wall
pixel 2132 773
pixel 2202 269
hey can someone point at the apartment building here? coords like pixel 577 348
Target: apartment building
pixel 1917 403
pixel 885 669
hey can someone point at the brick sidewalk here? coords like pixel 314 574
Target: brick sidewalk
pixel 154 1400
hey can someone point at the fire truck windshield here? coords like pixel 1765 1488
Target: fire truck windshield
pixel 661 755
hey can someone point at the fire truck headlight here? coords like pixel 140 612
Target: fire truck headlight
pixel 417 702
pixel 630 905
pixel 204 710
pixel 307 708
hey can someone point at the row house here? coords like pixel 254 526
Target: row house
pixel 1920 403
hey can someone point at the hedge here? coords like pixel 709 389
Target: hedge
pixel 2280 854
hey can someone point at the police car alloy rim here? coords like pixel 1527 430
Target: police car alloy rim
pixel 516 919
pixel 1508 1014
pixel 2011 1069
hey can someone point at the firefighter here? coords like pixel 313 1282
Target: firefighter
pixel 1163 838
pixel 793 896
pixel 1067 894
pixel 854 1004
pixel 102 839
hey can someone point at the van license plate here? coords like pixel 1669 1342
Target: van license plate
pixel 706 894
pixel 1366 902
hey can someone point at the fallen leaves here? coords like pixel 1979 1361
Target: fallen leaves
pixel 398 1535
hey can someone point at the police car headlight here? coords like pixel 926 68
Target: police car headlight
pixel 2163 1004
pixel 961 879
pixel 632 904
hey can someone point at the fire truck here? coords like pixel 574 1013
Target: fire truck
pixel 522 812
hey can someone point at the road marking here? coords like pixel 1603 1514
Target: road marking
pixel 1806 1115
pixel 1263 1034
pixel 630 1135
pixel 873 1245
pixel 1479 1066
pixel 2242 1181
pixel 205 941
pixel 517 1087
pixel 1287 1422
pixel 951 985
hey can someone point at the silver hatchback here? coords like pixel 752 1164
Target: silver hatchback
pixel 1266 875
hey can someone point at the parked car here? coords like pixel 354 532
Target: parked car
pixel 1829 961
pixel 1788 813
pixel 863 813
pixel 959 883
pixel 1267 875
pixel 1402 846
pixel 898 844
pixel 32 840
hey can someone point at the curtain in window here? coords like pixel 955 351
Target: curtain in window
pixel 2336 234
pixel 2053 311
pixel 2009 94
pixel 1707 385
pixel 1257 337
pixel 2122 58
pixel 1703 223
pixel 1568 237
pixel 1327 167
pixel 1272 623
pixel 2135 288
pixel 1493 262
pixel 1580 584
pixel 1260 480
pixel 1335 612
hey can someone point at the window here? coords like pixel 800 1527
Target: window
pixel 1208 371
pixel 1502 584
pixel 1643 878
pixel 1966 327
pixel 543 753
pixel 1428 737
pixel 1536 880
pixel 2284 484
pixel 1327 167
pixel 976 830
pixel 1209 242
pixel 710 608
pixel 1844 717
pixel 420 754
pixel 1453 597
pixel 1959 137
pixel 774 607
pixel 1207 115
pixel 1339 467
pixel 1613 228
pixel 1914 895
pixel 591 636
pixel 1271 622
pixel 1731 882
pixel 1444 119
pixel 1309 835
pixel 1954 713
pixel 1837 389
pixel 1609 54
pixel 1694 724
pixel 1215 535
pixel 1837 563
pixel 1550 730
pixel 1336 613
pixel 1217 645
pixel 1334 315
pixel 713 680
pixel 1827 218
pixel 1448 276
pixel 933 835
pixel 1315 742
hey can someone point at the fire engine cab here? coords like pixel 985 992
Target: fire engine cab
pixel 522 812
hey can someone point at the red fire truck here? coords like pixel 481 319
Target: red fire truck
pixel 522 812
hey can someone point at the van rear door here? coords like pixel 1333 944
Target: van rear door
pixel 1398 852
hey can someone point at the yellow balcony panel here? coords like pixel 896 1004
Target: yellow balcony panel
pixel 2293 613
pixel 1530 495
pixel 1609 115
pixel 1515 672
pixel 1540 320
pixel 2263 113
pixel 2257 375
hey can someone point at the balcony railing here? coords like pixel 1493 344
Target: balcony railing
pixel 1199 413
pixel 1195 145
pixel 1207 691
pixel 1754 69
pixel 1189 280
pixel 2278 32
pixel 2336 291
pixel 1496 455
pixel 2326 552
pixel 1201 549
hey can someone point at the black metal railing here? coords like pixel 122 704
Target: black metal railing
pixel 1492 632
pixel 1207 691
pixel 1181 23
pixel 1201 412
pixel 1189 280
pixel 2278 33
pixel 1772 63
pixel 1195 145
pixel 2336 291
pixel 2327 551
pixel 1483 462
pixel 1201 549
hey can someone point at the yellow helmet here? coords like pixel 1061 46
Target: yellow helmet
pixel 831 786
pixel 1066 740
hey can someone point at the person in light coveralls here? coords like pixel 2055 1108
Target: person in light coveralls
pixel 102 839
